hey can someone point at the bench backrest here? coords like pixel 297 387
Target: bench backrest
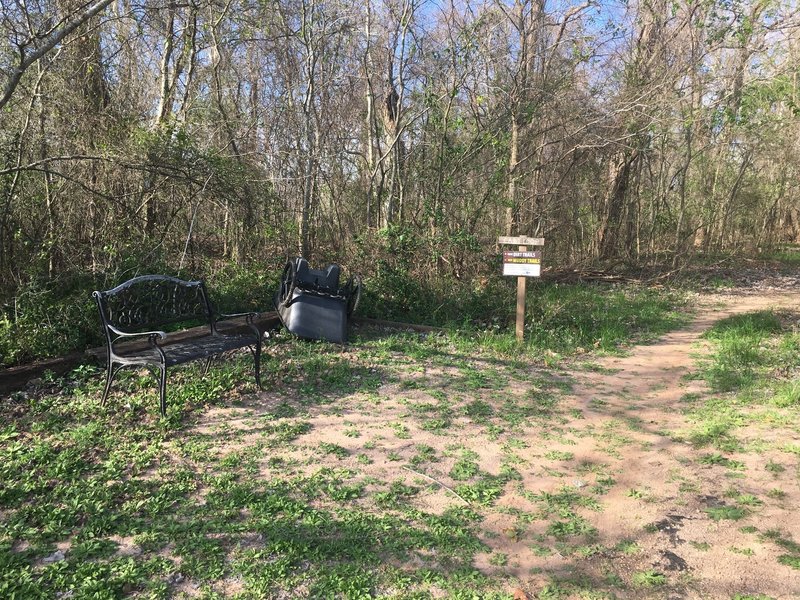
pixel 151 301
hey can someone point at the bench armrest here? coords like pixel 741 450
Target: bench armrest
pixel 162 335
pixel 222 316
pixel 250 322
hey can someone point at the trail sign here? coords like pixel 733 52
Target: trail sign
pixel 522 264
pixel 520 240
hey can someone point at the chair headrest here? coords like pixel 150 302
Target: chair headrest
pixel 327 278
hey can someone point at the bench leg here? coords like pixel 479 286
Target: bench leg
pixel 257 361
pixel 162 390
pixel 109 378
pixel 208 365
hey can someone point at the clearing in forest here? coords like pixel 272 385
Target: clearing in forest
pixel 423 466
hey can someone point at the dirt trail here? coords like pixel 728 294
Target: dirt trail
pixel 633 413
pixel 607 498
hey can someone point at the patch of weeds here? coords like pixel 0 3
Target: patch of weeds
pixel 590 550
pixel 603 485
pixel 409 384
pixel 702 546
pixel 494 431
pixel 635 493
pixel 338 490
pixel 742 551
pixel 438 395
pixel 515 444
pixel 397 493
pixel 553 591
pixel 613 579
pixel 738 348
pixel 539 550
pixel 478 410
pixel 753 355
pixel 558 455
pixel 784 541
pixel 787 394
pixel 649 578
pixel 748 500
pixel 571 525
pixel 401 431
pixel 483 377
pixel 748 529
pixel 597 403
pixel 722 513
pixel 774 468
pixel 790 561
pixel 715 429
pixel 628 547
pixel 718 459
pixel 509 473
pixel 286 432
pixel 776 494
pixel 498 559
pixel 123 473
pixel 425 454
pixel 333 450
pixel 284 410
pixel 598 368
pixel 436 424
pixel 465 467
pixel 485 491
pixel 592 467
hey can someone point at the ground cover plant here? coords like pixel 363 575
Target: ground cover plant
pixel 58 316
pixel 407 465
pixel 311 488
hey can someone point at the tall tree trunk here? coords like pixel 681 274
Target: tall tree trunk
pixel 619 178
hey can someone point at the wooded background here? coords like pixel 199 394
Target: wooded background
pixel 392 134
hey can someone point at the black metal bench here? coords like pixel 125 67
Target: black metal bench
pixel 138 307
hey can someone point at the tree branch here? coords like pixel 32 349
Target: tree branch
pixel 48 44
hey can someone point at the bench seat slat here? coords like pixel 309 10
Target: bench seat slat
pixel 187 350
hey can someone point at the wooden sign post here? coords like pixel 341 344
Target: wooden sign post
pixel 522 264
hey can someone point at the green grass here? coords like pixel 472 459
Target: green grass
pixel 51 318
pixel 789 256
pixel 740 349
pixel 749 369
pixel 76 474
pixel 236 485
